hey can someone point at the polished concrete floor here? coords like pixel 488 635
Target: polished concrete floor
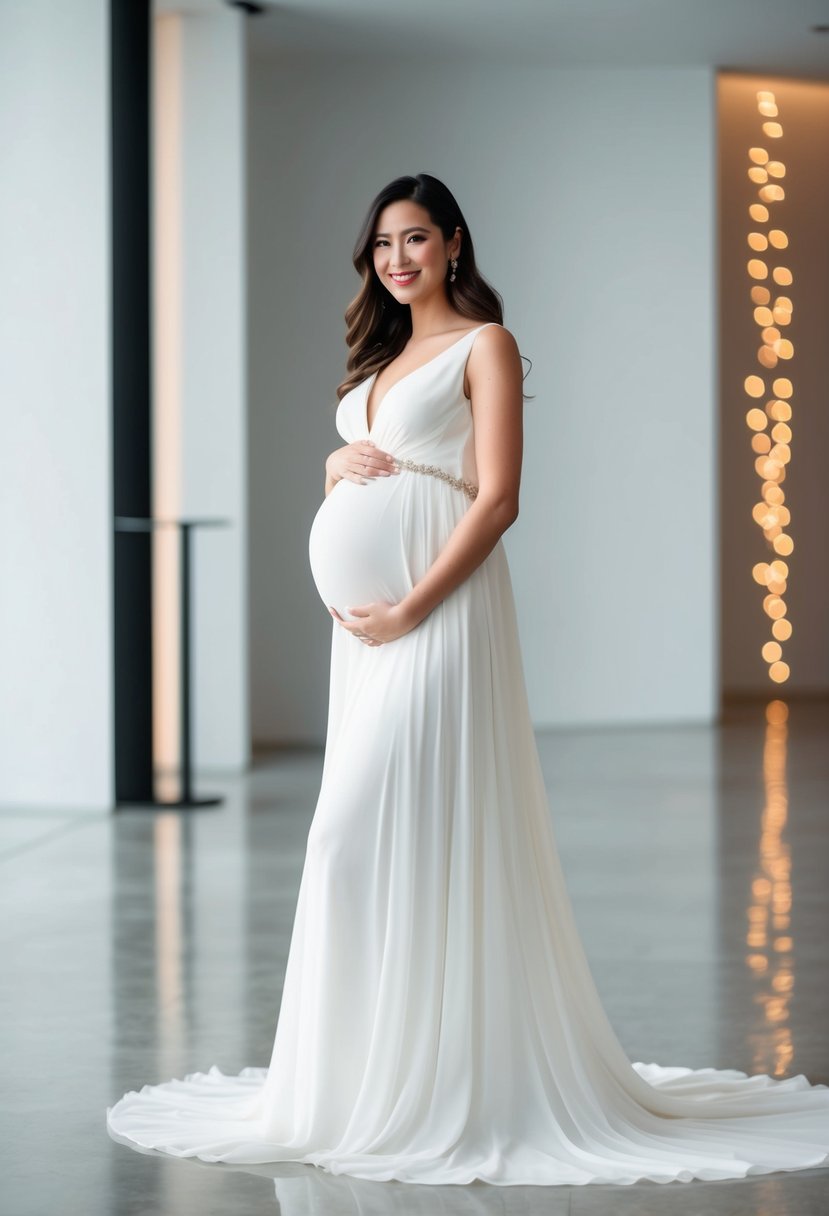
pixel 139 946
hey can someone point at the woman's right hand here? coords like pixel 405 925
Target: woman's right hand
pixel 359 461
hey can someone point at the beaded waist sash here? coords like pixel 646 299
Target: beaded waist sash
pixel 468 487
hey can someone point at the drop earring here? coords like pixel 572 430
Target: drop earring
pixel 454 264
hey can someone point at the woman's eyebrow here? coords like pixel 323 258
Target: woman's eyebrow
pixel 417 228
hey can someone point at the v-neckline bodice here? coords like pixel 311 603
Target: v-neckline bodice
pixel 370 381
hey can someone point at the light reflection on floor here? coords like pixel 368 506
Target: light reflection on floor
pixel 769 938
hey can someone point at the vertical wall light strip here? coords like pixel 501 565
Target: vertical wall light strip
pixel 770 426
pixel 167 385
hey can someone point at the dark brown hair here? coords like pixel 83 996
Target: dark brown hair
pixel 378 325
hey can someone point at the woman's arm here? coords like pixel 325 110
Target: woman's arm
pixel 494 373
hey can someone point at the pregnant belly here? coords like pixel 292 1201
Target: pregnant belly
pixel 357 546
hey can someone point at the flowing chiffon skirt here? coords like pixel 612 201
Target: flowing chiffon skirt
pixel 439 1021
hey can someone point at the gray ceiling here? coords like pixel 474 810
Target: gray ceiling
pixel 770 36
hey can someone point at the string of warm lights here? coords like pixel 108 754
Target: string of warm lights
pixel 771 446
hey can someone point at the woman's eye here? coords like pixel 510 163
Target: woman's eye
pixel 416 236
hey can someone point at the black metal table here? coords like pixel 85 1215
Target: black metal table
pixel 133 523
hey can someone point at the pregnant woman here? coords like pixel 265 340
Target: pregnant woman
pixel 439 1022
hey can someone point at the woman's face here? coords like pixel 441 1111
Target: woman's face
pixel 410 254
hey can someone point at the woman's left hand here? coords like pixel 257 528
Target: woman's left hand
pixel 378 622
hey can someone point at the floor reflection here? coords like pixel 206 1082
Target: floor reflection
pixel 769 937
pixel 170 891
pixel 303 1190
pixel 774 915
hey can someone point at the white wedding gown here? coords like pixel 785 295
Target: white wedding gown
pixel 439 1021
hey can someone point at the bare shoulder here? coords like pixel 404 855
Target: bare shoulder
pixel 494 356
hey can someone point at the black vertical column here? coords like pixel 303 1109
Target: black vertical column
pixel 131 395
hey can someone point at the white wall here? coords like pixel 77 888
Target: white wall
pixel 804 116
pixel 589 194
pixel 55 463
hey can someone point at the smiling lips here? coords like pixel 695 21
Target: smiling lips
pixel 403 279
